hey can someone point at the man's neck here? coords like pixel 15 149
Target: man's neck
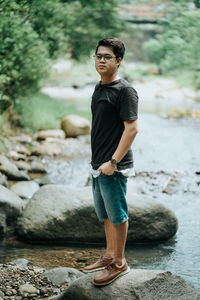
pixel 106 79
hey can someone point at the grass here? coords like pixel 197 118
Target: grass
pixel 39 112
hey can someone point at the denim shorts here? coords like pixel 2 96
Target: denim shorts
pixel 109 192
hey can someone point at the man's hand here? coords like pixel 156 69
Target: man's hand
pixel 107 168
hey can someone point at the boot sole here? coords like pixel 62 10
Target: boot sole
pixel 108 282
pixel 93 270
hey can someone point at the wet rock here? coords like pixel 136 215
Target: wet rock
pixel 43 219
pixel 47 179
pixel 2 223
pixel 58 276
pixel 137 284
pixel 22 150
pixel 1 294
pixel 47 148
pixel 28 289
pixel 23 139
pixel 3 180
pixel 170 186
pixel 54 133
pixel 37 167
pixel 25 189
pixel 20 262
pixel 74 125
pixel 16 156
pixel 10 203
pixel 11 171
pixel 22 165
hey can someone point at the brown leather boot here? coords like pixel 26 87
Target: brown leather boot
pixel 103 262
pixel 110 273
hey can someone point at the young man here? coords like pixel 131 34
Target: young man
pixel 114 127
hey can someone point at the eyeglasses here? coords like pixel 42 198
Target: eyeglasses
pixel 106 57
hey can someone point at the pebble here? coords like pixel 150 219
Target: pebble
pixel 30 286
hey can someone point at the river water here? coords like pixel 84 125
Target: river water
pixel 164 149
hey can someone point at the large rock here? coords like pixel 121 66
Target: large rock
pixel 37 167
pixel 59 276
pixel 74 125
pixel 137 284
pixel 25 189
pixel 10 203
pixel 22 165
pixel 10 208
pixel 62 213
pixel 3 180
pixel 54 133
pixel 11 171
pixel 47 148
pixel 2 223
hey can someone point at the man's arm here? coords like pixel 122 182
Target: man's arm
pixel 129 133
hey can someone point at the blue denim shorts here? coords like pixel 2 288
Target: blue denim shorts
pixel 109 192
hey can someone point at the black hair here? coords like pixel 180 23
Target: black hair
pixel 114 43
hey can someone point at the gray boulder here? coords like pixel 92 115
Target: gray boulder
pixel 11 171
pixel 59 276
pixel 62 213
pixel 3 180
pixel 10 203
pixel 2 223
pixel 22 165
pixel 37 167
pixel 10 208
pixel 20 262
pixel 25 189
pixel 137 284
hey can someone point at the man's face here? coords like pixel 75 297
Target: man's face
pixel 103 64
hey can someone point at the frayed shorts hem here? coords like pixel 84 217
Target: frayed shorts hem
pixel 114 223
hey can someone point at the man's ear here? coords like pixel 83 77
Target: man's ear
pixel 119 59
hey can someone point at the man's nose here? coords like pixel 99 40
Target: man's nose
pixel 103 58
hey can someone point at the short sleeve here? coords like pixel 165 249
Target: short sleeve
pixel 128 104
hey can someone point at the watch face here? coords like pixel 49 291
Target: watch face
pixel 113 161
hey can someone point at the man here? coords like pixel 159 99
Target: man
pixel 114 127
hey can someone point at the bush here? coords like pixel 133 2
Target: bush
pixel 23 57
pixel 177 48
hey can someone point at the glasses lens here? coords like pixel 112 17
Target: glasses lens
pixel 106 57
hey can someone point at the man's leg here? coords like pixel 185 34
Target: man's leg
pixel 116 240
pixel 113 191
pixel 110 244
pixel 106 259
pixel 120 235
pixel 118 266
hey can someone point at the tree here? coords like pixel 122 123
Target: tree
pixel 35 31
pixel 177 47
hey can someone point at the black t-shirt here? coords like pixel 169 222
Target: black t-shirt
pixel 112 104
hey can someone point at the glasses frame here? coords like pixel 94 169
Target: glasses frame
pixel 104 57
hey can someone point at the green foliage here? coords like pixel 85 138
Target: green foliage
pixel 34 31
pixel 90 22
pixel 42 112
pixel 177 47
pixel 23 58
